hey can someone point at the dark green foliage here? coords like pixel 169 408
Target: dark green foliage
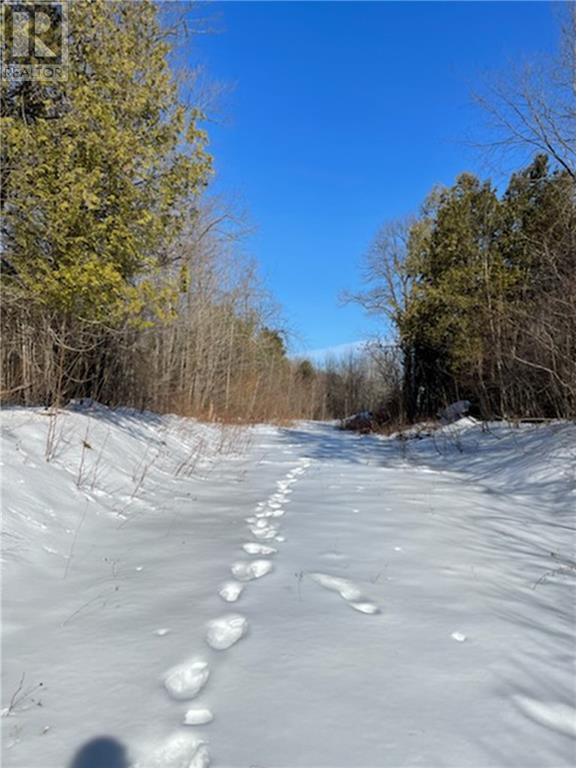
pixel 491 315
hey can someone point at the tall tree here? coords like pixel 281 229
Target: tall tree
pixel 98 168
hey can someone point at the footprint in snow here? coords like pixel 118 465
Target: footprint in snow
pixel 365 607
pixel 198 716
pixel 187 680
pixel 252 570
pixel 179 751
pixel 347 591
pixel 201 757
pixel 224 632
pixel 253 548
pixel 273 512
pixel 231 591
pixel 265 531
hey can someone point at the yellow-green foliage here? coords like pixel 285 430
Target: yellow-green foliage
pixel 98 170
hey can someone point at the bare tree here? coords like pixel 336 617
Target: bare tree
pixel 385 272
pixel 534 108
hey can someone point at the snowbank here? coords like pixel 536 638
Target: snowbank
pixel 395 602
pixel 528 458
pixel 92 461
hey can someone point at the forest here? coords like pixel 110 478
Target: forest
pixel 124 278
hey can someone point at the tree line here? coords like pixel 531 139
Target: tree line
pixel 123 278
pixel 480 285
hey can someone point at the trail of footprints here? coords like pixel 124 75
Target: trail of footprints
pixel 185 681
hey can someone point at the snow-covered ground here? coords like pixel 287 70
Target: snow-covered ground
pixel 177 595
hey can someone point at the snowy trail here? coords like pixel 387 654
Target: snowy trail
pixel 319 599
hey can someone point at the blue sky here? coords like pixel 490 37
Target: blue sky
pixel 343 115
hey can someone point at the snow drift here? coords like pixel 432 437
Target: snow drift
pixel 395 602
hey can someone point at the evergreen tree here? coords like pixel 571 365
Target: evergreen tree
pixel 490 313
pixel 98 169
